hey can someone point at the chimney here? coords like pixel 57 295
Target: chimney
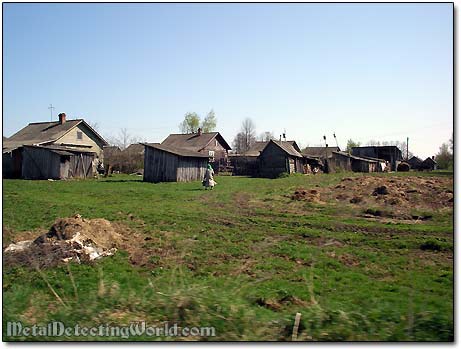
pixel 433 157
pixel 199 131
pixel 62 118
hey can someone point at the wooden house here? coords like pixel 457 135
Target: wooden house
pixel 429 164
pixel 415 163
pixel 168 164
pixel 56 162
pixel 69 134
pixel 247 163
pixel 342 161
pixel 279 157
pixel 390 153
pixel 211 144
pixel 320 152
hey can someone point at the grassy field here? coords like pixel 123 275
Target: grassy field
pixel 244 258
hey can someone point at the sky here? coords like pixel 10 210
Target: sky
pixel 380 72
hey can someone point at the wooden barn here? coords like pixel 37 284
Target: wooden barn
pixel 342 161
pixel 390 153
pixel 211 144
pixel 54 162
pixel 429 164
pixel 359 164
pixel 279 157
pixel 415 163
pixel 247 164
pixel 168 164
pixel 320 152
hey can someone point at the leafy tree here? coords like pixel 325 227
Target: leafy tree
pixel 190 124
pixel 351 144
pixel 209 123
pixel 444 157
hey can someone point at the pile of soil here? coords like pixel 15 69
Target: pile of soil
pixel 306 195
pixel 386 196
pixel 74 238
pixel 397 196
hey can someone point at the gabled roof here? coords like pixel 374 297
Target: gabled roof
pixel 45 132
pixel 415 159
pixel 287 147
pixel 176 151
pixel 258 147
pixel 194 141
pixel 135 147
pixel 429 160
pixel 319 151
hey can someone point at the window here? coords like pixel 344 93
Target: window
pixel 79 135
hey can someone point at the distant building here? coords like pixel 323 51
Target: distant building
pixel 415 163
pixel 71 136
pixel 247 164
pixel 279 157
pixel 211 144
pixel 342 161
pixel 391 153
pixel 320 152
pixel 429 164
pixel 168 164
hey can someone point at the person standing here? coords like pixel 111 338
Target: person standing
pixel 208 180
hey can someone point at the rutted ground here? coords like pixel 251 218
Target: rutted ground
pixel 248 255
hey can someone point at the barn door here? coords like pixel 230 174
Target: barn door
pixel 292 166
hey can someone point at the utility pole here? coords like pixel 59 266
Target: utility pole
pixel 51 111
pixel 407 148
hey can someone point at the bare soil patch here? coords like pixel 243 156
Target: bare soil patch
pixel 386 197
pixel 74 238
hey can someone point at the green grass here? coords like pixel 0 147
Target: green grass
pixel 243 258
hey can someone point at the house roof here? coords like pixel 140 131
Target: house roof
pixel 319 151
pixel 365 159
pixel 194 141
pixel 59 149
pixel 135 147
pixel 258 147
pixel 430 160
pixel 44 132
pixel 176 151
pixel 287 147
pixel 415 159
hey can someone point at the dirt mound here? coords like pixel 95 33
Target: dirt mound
pixel 75 238
pixel 312 195
pixel 395 197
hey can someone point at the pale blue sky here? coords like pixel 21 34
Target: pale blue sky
pixel 364 71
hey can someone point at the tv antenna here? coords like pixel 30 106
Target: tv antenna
pixel 51 111
pixel 334 135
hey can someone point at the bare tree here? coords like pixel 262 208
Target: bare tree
pixel 94 125
pixel 249 131
pixel 266 136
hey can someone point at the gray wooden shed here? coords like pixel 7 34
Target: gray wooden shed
pixel 168 164
pixel 54 162
pixel 278 157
